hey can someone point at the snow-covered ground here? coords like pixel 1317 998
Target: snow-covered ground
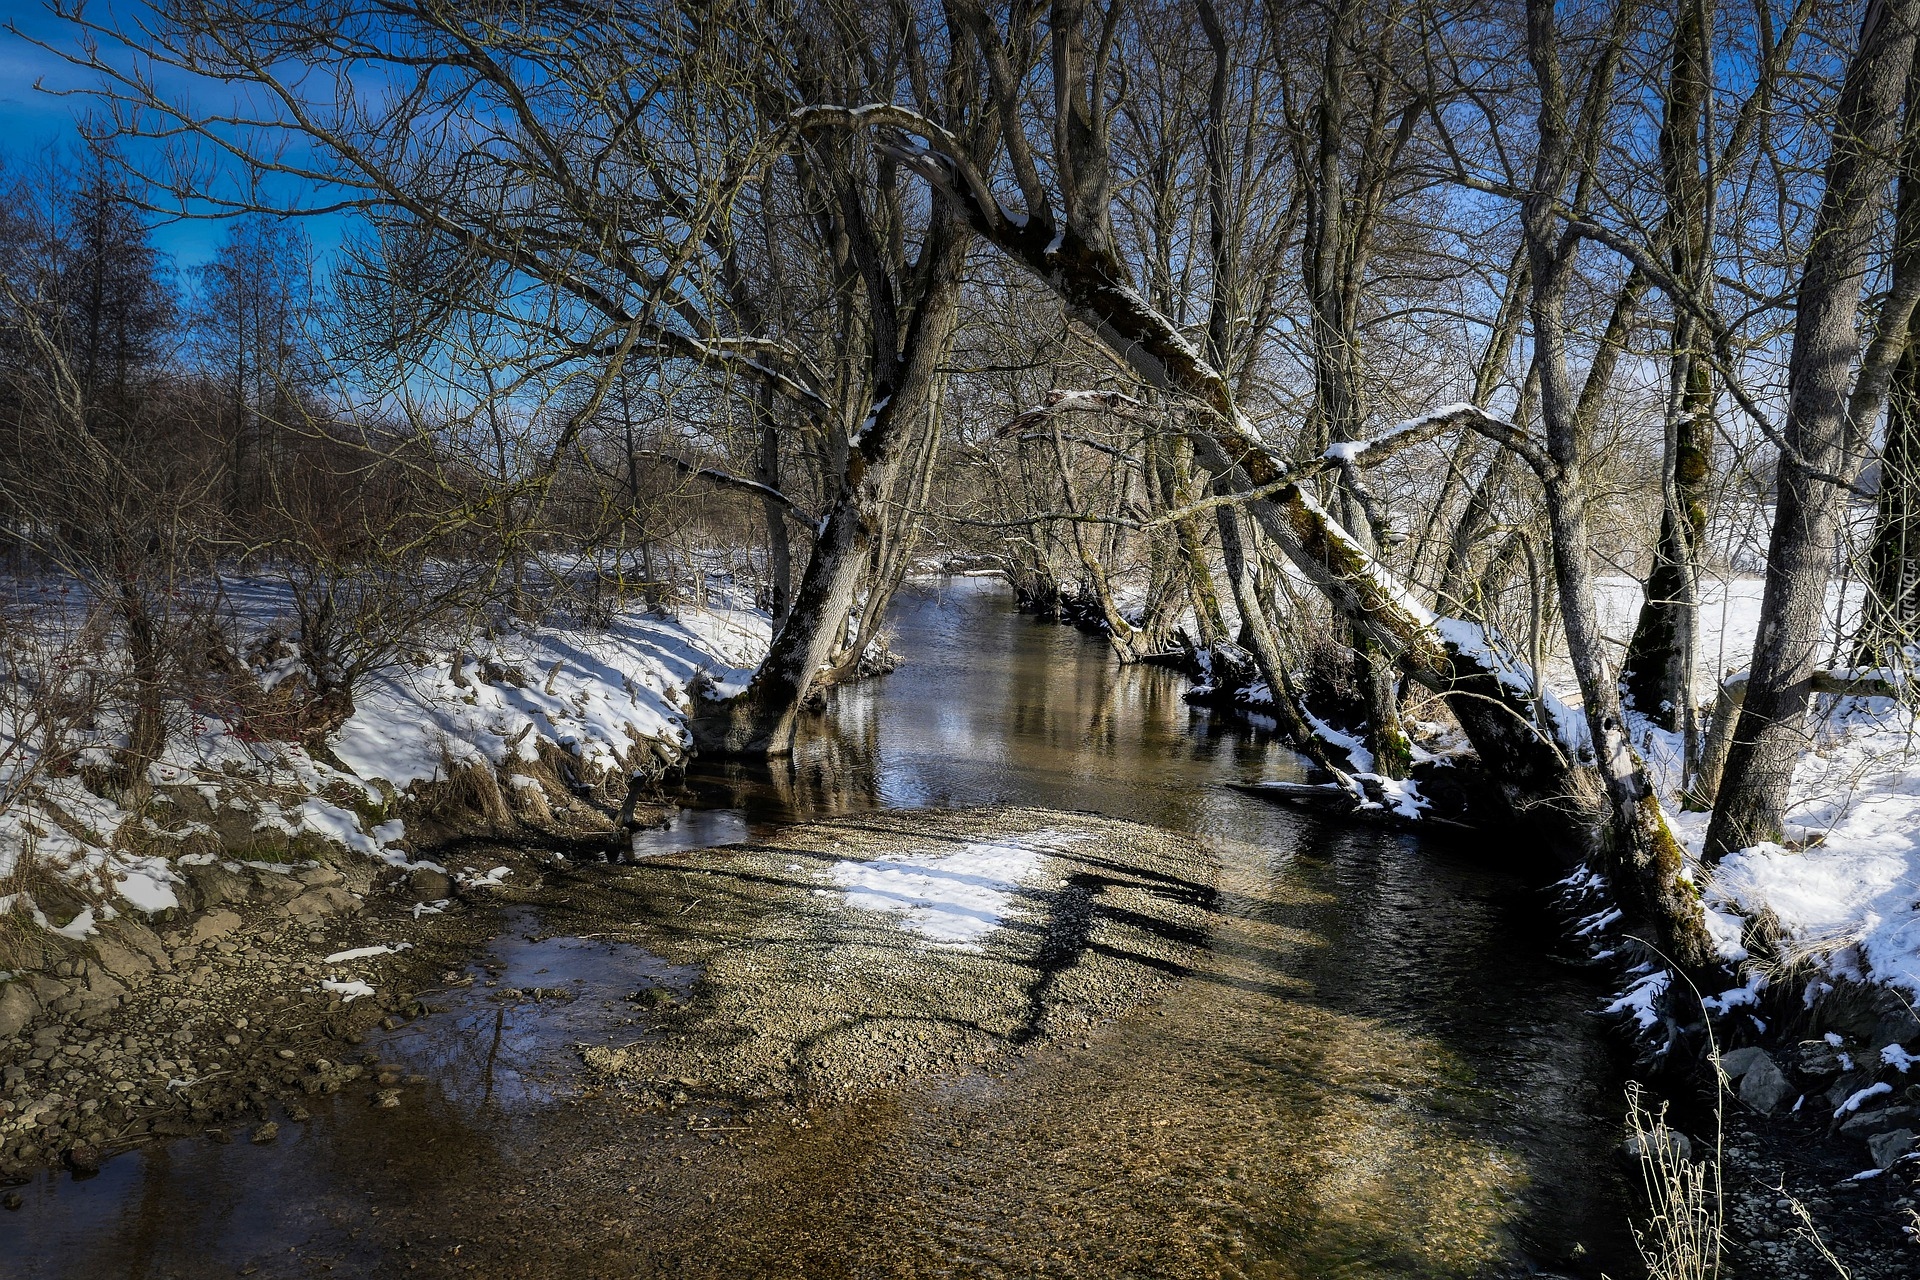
pixel 1845 896
pixel 1843 899
pixel 596 692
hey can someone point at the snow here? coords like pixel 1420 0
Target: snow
pixel 1845 894
pixel 596 693
pixel 365 953
pixel 79 928
pixel 348 991
pixel 1852 1104
pixel 1484 649
pixel 954 899
pixel 1642 1000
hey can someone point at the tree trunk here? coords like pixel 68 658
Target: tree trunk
pixel 1892 606
pixel 779 550
pixel 1645 864
pixel 1268 655
pixel 760 721
pixel 1658 672
pixel 1821 436
pixel 147 733
pixel 1332 270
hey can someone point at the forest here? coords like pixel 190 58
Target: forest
pixel 1509 409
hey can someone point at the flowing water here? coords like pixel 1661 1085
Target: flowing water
pixel 1383 1069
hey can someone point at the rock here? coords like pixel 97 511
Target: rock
pixel 213 885
pixel 220 1136
pixel 214 924
pixel 277 886
pixel 12 1200
pixel 429 885
pixel 102 992
pixel 1763 1086
pixel 1736 1062
pixel 18 1006
pixel 1678 1143
pixel 83 1159
pixel 1863 1123
pixel 1886 1148
pixel 1818 1058
pixel 142 939
pixel 318 903
pixel 265 1133
pixel 121 962
pixel 315 877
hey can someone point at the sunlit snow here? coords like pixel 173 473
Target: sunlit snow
pixel 954 899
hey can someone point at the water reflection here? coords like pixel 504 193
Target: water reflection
pixel 994 707
pixel 507 1034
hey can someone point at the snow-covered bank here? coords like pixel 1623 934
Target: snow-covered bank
pixel 1843 897
pixel 595 699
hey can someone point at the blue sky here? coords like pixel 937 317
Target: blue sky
pixel 31 121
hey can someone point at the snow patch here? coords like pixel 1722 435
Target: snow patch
pixel 954 899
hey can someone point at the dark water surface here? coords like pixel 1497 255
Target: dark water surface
pixel 1383 1071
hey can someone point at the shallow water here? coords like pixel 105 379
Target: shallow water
pixel 1382 1069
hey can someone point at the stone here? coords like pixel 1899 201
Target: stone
pixel 1736 1062
pixel 213 885
pixel 265 1133
pixel 314 877
pixel 134 934
pixel 1866 1122
pixel 429 885
pixel 121 962
pixel 1677 1143
pixel 102 992
pixel 1763 1086
pixel 214 924
pixel 83 1159
pixel 18 1007
pixel 1818 1058
pixel 318 903
pixel 1886 1148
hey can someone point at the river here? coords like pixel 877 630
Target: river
pixel 1387 1067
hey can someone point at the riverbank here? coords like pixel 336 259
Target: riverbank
pixel 183 966
pixel 846 1025
pixel 1299 1070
